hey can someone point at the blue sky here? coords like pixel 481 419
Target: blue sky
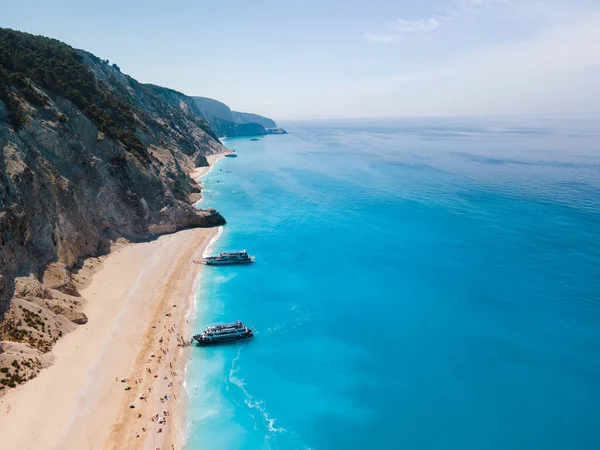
pixel 347 58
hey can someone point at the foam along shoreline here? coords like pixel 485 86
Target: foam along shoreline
pixel 136 304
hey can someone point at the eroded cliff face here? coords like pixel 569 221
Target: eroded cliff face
pixel 67 191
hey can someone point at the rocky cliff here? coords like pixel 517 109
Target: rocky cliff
pixel 225 122
pixel 87 155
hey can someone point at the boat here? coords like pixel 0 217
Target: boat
pixel 237 257
pixel 229 332
pixel 231 155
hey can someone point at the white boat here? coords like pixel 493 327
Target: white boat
pixel 216 334
pixel 237 257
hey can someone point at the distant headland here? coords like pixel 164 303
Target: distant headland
pixel 228 123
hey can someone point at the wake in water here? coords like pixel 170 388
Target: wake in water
pixel 251 402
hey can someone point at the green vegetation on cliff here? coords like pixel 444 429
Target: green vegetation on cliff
pixel 58 69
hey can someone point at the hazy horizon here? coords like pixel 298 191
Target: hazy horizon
pixel 350 59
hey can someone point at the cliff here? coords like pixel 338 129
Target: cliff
pixel 225 122
pixel 87 155
pixel 240 117
pixel 214 108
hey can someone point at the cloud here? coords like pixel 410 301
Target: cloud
pixel 410 26
pixel 381 38
pixel 555 71
pixel 404 27
pixel 457 9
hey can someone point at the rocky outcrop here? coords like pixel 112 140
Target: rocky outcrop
pixel 78 318
pixel 69 189
pixel 176 218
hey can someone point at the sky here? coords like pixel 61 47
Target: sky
pixel 343 58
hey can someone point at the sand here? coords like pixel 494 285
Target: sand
pixel 137 299
pixel 199 172
pixel 77 403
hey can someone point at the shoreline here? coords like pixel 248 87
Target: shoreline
pixel 139 300
pixel 181 429
pixel 201 172
pixel 161 354
pixel 190 317
pixel 77 402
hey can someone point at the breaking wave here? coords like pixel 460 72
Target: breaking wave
pixel 212 242
pixel 250 401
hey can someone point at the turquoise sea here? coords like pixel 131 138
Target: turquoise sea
pixel 419 284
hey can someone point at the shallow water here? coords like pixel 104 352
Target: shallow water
pixel 419 284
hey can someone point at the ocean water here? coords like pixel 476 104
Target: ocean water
pixel 419 284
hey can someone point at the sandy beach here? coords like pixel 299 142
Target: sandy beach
pixel 128 354
pixel 136 304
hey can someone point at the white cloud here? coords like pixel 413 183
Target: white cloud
pixel 410 26
pixel 555 72
pixel 457 9
pixel 381 38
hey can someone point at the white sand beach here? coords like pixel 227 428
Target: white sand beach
pixel 136 300
pixel 138 297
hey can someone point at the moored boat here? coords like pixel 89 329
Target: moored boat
pixel 237 257
pixel 217 334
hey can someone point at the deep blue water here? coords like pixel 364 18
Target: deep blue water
pixel 419 284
